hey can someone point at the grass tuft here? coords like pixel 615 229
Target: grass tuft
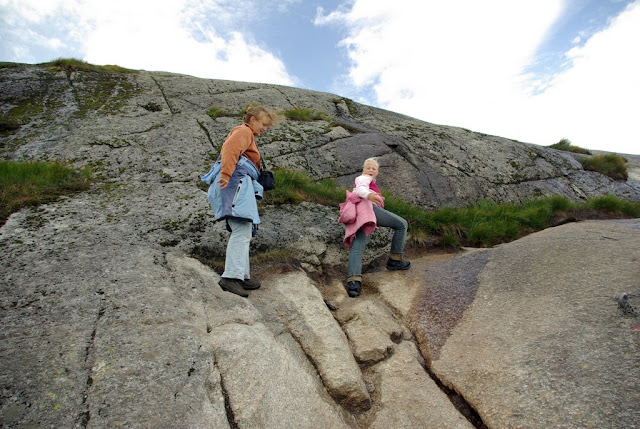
pixel 565 144
pixel 217 112
pixel 613 204
pixel 294 187
pixel 612 165
pixel 74 64
pixel 25 184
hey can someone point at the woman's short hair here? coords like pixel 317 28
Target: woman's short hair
pixel 373 159
pixel 260 112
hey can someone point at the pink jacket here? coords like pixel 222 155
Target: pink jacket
pixel 357 212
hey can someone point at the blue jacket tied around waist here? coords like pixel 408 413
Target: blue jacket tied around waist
pixel 239 199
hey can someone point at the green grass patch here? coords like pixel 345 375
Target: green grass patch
pixel 217 112
pixel 565 144
pixel 305 115
pixel 74 64
pixel 612 165
pixel 294 187
pixel 482 224
pixel 487 223
pixel 9 65
pixel 25 184
pixel 613 204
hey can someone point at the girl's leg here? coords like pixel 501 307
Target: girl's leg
pixel 354 268
pixel 237 259
pixel 399 226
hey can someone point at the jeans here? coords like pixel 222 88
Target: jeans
pixel 383 218
pixel 236 264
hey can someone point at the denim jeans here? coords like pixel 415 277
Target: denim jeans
pixel 236 264
pixel 383 218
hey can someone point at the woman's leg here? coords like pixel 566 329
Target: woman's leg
pixel 237 259
pixel 247 268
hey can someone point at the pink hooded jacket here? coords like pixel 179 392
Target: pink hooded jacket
pixel 356 213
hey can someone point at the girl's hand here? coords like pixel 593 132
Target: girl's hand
pixel 375 199
pixel 223 183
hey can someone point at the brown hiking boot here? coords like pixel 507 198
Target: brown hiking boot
pixel 233 286
pixel 249 284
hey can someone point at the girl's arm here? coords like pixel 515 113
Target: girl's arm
pixel 362 186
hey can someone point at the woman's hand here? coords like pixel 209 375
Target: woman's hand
pixel 375 199
pixel 223 183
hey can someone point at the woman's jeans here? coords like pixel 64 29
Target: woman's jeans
pixel 236 265
pixel 383 218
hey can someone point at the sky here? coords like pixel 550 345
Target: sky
pixel 536 71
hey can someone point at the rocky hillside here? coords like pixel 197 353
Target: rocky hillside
pixel 109 320
pixel 156 124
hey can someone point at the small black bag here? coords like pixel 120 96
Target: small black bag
pixel 266 178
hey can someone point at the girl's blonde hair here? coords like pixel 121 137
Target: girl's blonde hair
pixel 370 160
pixel 260 112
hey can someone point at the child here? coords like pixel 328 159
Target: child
pixel 371 214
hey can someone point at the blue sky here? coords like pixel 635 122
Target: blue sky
pixel 531 70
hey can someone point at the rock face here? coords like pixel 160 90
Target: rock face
pixel 298 305
pixel 154 127
pixel 543 344
pixel 109 320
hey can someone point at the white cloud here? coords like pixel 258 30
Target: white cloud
pixel 596 100
pixel 182 36
pixel 461 63
pixel 31 10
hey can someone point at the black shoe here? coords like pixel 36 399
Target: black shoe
pixel 354 288
pixel 249 284
pixel 394 265
pixel 233 286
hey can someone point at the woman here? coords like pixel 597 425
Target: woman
pixel 368 213
pixel 233 192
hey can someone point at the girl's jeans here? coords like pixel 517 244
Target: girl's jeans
pixel 383 218
pixel 236 265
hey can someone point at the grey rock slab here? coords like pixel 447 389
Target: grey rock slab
pixel 214 306
pixel 408 397
pixel 334 293
pixel 265 387
pixel 103 338
pixel 544 343
pixel 298 304
pixel 154 374
pixel 151 355
pixel 399 289
pixel 43 375
pixel 448 287
pixel 372 329
pixel 317 243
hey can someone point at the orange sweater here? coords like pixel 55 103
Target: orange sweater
pixel 239 140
